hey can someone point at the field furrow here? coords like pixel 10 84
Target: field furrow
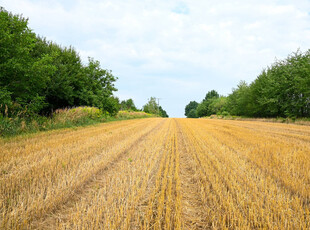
pixel 42 188
pixel 158 174
pixel 256 197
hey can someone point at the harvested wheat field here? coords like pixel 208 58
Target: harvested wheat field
pixel 158 174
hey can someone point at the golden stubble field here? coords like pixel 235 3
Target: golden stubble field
pixel 158 174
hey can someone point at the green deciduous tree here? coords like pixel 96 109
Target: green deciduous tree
pixel 204 108
pixel 192 114
pixel 20 75
pixel 128 105
pixel 211 94
pixel 218 105
pixel 152 107
pixel 238 99
pixel 281 90
pixel 39 76
pixel 162 112
pixel 191 106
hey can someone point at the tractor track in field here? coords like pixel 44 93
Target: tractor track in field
pixel 158 174
pixel 81 190
pixel 192 203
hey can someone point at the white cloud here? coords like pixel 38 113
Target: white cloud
pixel 189 47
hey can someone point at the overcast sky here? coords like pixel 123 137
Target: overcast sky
pixel 174 50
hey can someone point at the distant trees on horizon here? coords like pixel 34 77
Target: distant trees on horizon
pixel 152 107
pixel 281 90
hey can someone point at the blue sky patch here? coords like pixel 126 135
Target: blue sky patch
pixel 181 8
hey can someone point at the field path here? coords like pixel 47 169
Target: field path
pixel 158 174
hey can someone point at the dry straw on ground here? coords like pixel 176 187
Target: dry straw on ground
pixel 158 174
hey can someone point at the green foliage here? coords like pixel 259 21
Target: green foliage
pixel 110 105
pixel 188 109
pixel 192 114
pixel 20 80
pixel 124 114
pixel 211 94
pixel 153 108
pixel 209 104
pixel 202 109
pixel 5 100
pixel 39 76
pixel 238 100
pixel 162 112
pixel 225 114
pixel 281 90
pixel 62 118
pixel 128 105
pixel 217 105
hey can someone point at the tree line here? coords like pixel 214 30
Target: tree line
pixel 38 76
pixel 280 90
pixel 154 108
